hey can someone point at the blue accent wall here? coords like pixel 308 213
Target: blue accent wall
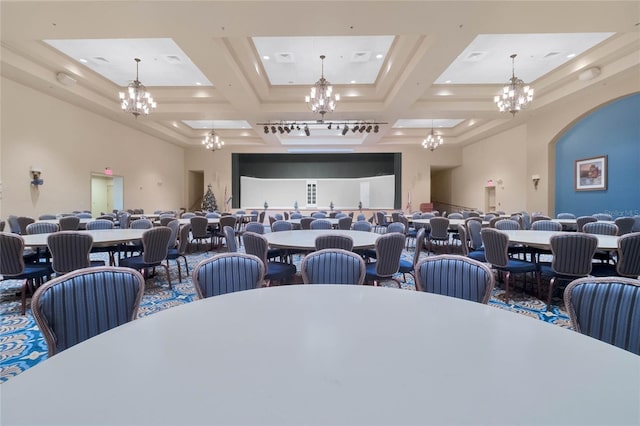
pixel 612 130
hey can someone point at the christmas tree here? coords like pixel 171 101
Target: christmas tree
pixel 209 202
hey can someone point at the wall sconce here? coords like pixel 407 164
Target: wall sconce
pixel 536 180
pixel 35 177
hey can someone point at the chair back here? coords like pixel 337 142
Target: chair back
pixel 333 266
pixel 42 228
pixel 199 225
pixel 381 218
pixel 47 216
pixel 474 226
pixel 23 222
pixel 420 235
pixel 166 219
pixel 256 245
pixel 427 215
pixel 455 276
pixel 546 225
pixel 583 220
pixel 606 309
pixel 439 228
pixel 337 241
pixel 227 221
pixel 281 225
pixel 110 297
pixel 321 224
pixel 174 225
pixel 83 215
pixel 256 227
pixel 305 222
pixel 188 215
pixel 14 226
pixel 227 273
pixel 11 260
pixel 69 223
pixel 496 246
pixel 214 215
pixel 362 225
pixel 141 224
pixel 566 216
pixel 629 255
pixel 602 216
pixel 573 253
pixel 389 248
pixel 464 242
pixel 295 216
pixel 155 243
pixel 69 251
pixel 344 223
pixel 396 227
pixel 230 238
pixel 183 239
pixel 600 228
pixel 507 225
pixel 99 224
pixel 318 215
pixel 625 224
pixel 456 216
pixel 123 220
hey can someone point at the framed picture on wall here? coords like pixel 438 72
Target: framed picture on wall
pixel 591 174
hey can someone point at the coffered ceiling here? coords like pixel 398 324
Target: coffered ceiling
pixel 231 65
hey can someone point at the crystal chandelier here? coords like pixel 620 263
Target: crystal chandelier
pixel 136 99
pixel 432 141
pixel 515 95
pixel 212 141
pixel 320 99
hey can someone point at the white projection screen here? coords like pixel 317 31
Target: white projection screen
pixel 374 192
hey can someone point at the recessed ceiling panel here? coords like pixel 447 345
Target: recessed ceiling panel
pixel 441 123
pixel 163 63
pixel 217 124
pixel 487 59
pixel 296 60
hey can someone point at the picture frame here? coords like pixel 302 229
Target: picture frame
pixel 590 174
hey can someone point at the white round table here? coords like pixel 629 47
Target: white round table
pixel 305 239
pixel 323 354
pixel 101 237
pixel 541 239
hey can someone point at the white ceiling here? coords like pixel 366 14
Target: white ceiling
pixel 204 62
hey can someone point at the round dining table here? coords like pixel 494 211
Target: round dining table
pixel 330 354
pixel 541 239
pixel 101 237
pixel 305 239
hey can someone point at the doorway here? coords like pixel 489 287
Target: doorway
pixel 106 193
pixel 195 189
pixel 490 199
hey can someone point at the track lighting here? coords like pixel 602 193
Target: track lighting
pixel 280 129
pixel 306 130
pixel 306 126
pixel 369 128
pixel 273 129
pixel 345 130
pixel 329 126
pixel 266 129
pixel 376 128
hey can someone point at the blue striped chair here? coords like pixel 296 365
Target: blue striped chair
pixel 227 273
pixel 408 267
pixel 258 245
pixel 175 253
pixel 41 228
pixel 602 216
pixel 362 225
pixel 572 256
pixel 628 264
pixel 256 227
pixel 111 297
pixel 625 224
pixel 606 309
pixel 583 220
pixel 333 266
pixel 321 224
pixel 334 241
pixel 455 276
pixel 155 246
pixel 388 252
pixel 70 251
pixel 281 225
pixel 69 223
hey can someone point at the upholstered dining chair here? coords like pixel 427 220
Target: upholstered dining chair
pixel 110 250
pixel 200 231
pixel 321 224
pixel 336 241
pixel 230 239
pixel 281 225
pixel 176 253
pixel 333 266
pixel 496 247
pixel 362 225
pixel 507 225
pixel 606 309
pixel 69 223
pixel 305 222
pixel 408 267
pixel 625 224
pixel 565 216
pixel 601 228
pixel 628 262
pixel 258 245
pixel 47 216
pixel 602 216
pixel 110 297
pixel 41 228
pixel 455 276
pixel 572 257
pixel 466 246
pixel 439 234
pixel 583 220
pixel 155 244
pixel 13 266
pixel 227 273
pixel 254 226
pixel 23 222
pixel 546 225
pixel 344 222
pixel 70 250
pixel 388 249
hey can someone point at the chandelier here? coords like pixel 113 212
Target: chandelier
pixel 515 95
pixel 136 99
pixel 320 98
pixel 432 141
pixel 212 141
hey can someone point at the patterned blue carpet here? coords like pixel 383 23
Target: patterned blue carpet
pixel 22 345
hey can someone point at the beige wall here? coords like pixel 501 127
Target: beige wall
pixel 68 143
pixel 517 154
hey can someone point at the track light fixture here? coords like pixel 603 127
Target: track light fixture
pixel 306 126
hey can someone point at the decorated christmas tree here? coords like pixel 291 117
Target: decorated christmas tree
pixel 209 202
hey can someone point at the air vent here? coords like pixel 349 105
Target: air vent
pixel 475 56
pixel 99 60
pixel 173 59
pixel 285 58
pixel 550 55
pixel 361 56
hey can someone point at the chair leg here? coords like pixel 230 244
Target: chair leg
pixel 179 270
pixel 551 283
pixel 507 278
pixel 24 296
pixel 166 268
